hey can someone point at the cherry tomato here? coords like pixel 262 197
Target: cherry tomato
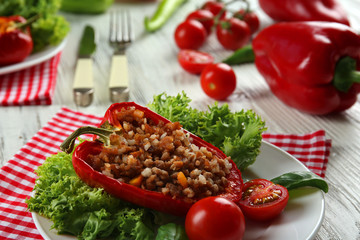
pixel 205 17
pixel 263 200
pixel 233 33
pixel 250 18
pixel 194 61
pixel 215 218
pixel 218 80
pixel 190 34
pixel 215 8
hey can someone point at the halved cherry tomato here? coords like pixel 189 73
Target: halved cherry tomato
pixel 262 200
pixel 233 33
pixel 190 34
pixel 194 61
pixel 205 17
pixel 218 80
pixel 215 7
pixel 250 18
pixel 215 218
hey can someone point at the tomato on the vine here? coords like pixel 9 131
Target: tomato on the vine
pixel 262 200
pixel 205 17
pixel 215 218
pixel 190 34
pixel 215 8
pixel 218 80
pixel 250 18
pixel 194 61
pixel 233 33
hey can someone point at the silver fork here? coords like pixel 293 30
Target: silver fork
pixel 120 37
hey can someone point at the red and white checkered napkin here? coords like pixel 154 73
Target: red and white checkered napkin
pixel 311 149
pixel 17 177
pixel 31 86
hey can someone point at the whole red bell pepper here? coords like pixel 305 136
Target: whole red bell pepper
pixel 311 66
pixel 15 40
pixel 305 10
pixel 146 198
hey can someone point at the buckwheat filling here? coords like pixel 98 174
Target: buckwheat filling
pixel 160 157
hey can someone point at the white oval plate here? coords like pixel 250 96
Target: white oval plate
pixel 34 59
pixel 301 219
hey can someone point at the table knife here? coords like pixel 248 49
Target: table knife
pixel 83 86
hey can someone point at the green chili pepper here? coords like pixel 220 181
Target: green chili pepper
pixel 242 55
pixel 164 11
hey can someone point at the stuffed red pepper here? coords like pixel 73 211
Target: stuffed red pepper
pixel 15 39
pixel 145 159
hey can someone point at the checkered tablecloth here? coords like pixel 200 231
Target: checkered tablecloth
pixel 17 177
pixel 31 86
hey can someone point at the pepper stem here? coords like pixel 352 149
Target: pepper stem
pixel 68 145
pixel 345 74
pixel 242 55
pixel 28 22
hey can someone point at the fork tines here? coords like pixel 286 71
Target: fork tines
pixel 120 29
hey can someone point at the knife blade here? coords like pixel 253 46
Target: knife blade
pixel 83 86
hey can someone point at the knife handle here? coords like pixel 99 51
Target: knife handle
pixel 83 85
pixel 83 74
pixel 119 79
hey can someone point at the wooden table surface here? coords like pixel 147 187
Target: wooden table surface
pixel 153 69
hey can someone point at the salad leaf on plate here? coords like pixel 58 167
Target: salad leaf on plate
pixel 171 231
pixel 237 134
pixel 293 180
pixel 89 213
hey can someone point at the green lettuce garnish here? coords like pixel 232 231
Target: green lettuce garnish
pixel 88 213
pixel 49 29
pixel 237 134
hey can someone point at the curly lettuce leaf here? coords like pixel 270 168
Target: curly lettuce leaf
pixel 237 134
pixel 49 31
pixel 89 213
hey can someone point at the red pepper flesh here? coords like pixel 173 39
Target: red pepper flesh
pixel 298 61
pixel 15 43
pixel 149 199
pixel 305 10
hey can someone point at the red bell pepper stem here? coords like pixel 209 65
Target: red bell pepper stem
pixel 23 25
pixel 69 143
pixel 346 74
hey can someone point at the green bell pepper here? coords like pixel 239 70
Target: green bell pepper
pixel 85 6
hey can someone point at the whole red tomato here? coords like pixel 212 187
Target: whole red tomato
pixel 233 33
pixel 205 17
pixel 190 34
pixel 263 200
pixel 215 218
pixel 218 80
pixel 194 61
pixel 250 18
pixel 215 7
